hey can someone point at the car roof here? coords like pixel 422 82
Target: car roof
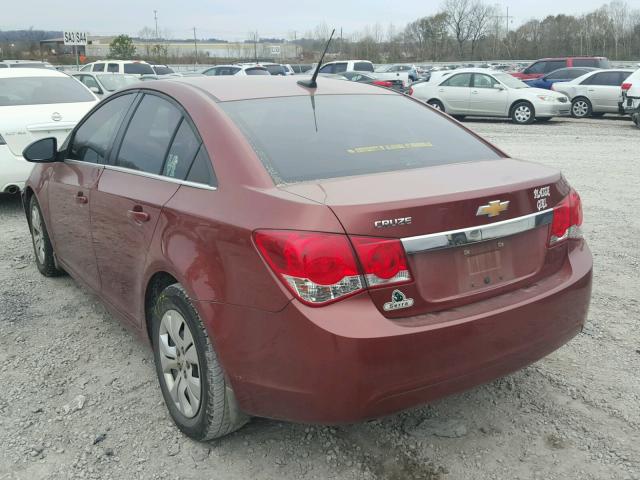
pixel 30 72
pixel 231 88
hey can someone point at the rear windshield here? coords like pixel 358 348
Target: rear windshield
pixel 138 69
pixel 42 90
pixel 328 136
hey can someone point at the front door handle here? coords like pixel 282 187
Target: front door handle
pixel 138 215
pixel 475 92
pixel 81 198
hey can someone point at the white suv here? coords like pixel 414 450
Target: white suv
pixel 631 96
pixel 347 66
pixel 132 67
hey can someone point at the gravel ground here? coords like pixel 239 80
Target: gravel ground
pixel 79 396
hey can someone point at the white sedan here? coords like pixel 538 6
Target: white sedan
pixel 595 93
pixel 34 104
pixel 487 93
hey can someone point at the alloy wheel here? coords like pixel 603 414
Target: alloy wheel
pixel 180 365
pixel 37 233
pixel 580 108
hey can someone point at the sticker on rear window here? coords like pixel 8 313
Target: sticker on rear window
pixel 391 147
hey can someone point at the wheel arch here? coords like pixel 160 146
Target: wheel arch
pixel 155 285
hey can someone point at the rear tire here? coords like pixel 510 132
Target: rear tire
pixel 437 104
pixel 195 390
pixel 523 113
pixel 581 108
pixel 42 248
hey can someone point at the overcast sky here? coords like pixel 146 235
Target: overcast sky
pixel 232 19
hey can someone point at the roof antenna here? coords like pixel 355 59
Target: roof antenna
pixel 312 83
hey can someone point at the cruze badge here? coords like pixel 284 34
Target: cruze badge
pixel 393 222
pixel 398 301
pixel 493 208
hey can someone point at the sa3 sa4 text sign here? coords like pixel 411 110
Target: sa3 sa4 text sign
pixel 75 38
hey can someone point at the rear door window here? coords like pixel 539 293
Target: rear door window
pixel 183 150
pixel 201 171
pixel 363 66
pixel 340 67
pixel 149 134
pixel 257 71
pixel 459 80
pixel 138 68
pixel 298 140
pixel 552 65
pixel 92 140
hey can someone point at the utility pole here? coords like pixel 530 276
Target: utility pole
pixel 155 17
pixel 195 43
pixel 255 45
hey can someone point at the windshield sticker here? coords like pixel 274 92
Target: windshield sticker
pixel 391 147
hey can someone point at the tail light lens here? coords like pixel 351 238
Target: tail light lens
pixel 626 86
pixel 382 83
pixel 567 219
pixel 320 268
pixel 410 91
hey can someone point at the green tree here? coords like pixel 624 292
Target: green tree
pixel 122 48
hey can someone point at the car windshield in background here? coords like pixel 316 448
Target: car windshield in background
pixel 510 81
pixel 328 136
pixel 42 90
pixel 163 70
pixel 138 69
pixel 257 71
pixel 113 82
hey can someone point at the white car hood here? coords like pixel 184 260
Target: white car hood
pixel 23 124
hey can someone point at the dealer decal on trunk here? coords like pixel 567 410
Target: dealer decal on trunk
pixel 540 195
pixel 398 301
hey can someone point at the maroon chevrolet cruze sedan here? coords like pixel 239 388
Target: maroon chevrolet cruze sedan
pixel 320 255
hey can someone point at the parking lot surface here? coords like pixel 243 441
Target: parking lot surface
pixel 79 396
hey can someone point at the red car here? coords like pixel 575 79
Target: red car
pixel 541 67
pixel 291 253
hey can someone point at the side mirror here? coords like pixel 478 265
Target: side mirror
pixel 42 151
pixel 498 86
pixel 95 90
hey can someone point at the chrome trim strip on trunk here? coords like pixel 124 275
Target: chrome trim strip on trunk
pixel 482 233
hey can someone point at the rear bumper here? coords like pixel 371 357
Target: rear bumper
pixel 346 362
pixel 14 171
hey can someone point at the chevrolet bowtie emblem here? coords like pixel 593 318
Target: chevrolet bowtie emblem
pixel 493 209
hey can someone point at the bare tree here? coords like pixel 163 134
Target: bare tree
pixel 480 16
pixel 459 21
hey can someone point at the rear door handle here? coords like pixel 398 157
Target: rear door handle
pixel 81 198
pixel 138 215
pixel 475 92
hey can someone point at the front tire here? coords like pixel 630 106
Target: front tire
pixel 42 248
pixel 195 390
pixel 523 113
pixel 581 108
pixel 437 104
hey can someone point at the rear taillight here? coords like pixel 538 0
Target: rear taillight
pixel 626 86
pixel 383 83
pixel 320 268
pixel 383 261
pixel 410 91
pixel 567 218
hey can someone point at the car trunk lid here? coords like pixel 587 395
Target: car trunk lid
pixel 471 230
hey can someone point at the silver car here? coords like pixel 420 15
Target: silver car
pixel 104 84
pixel 487 93
pixel 594 93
